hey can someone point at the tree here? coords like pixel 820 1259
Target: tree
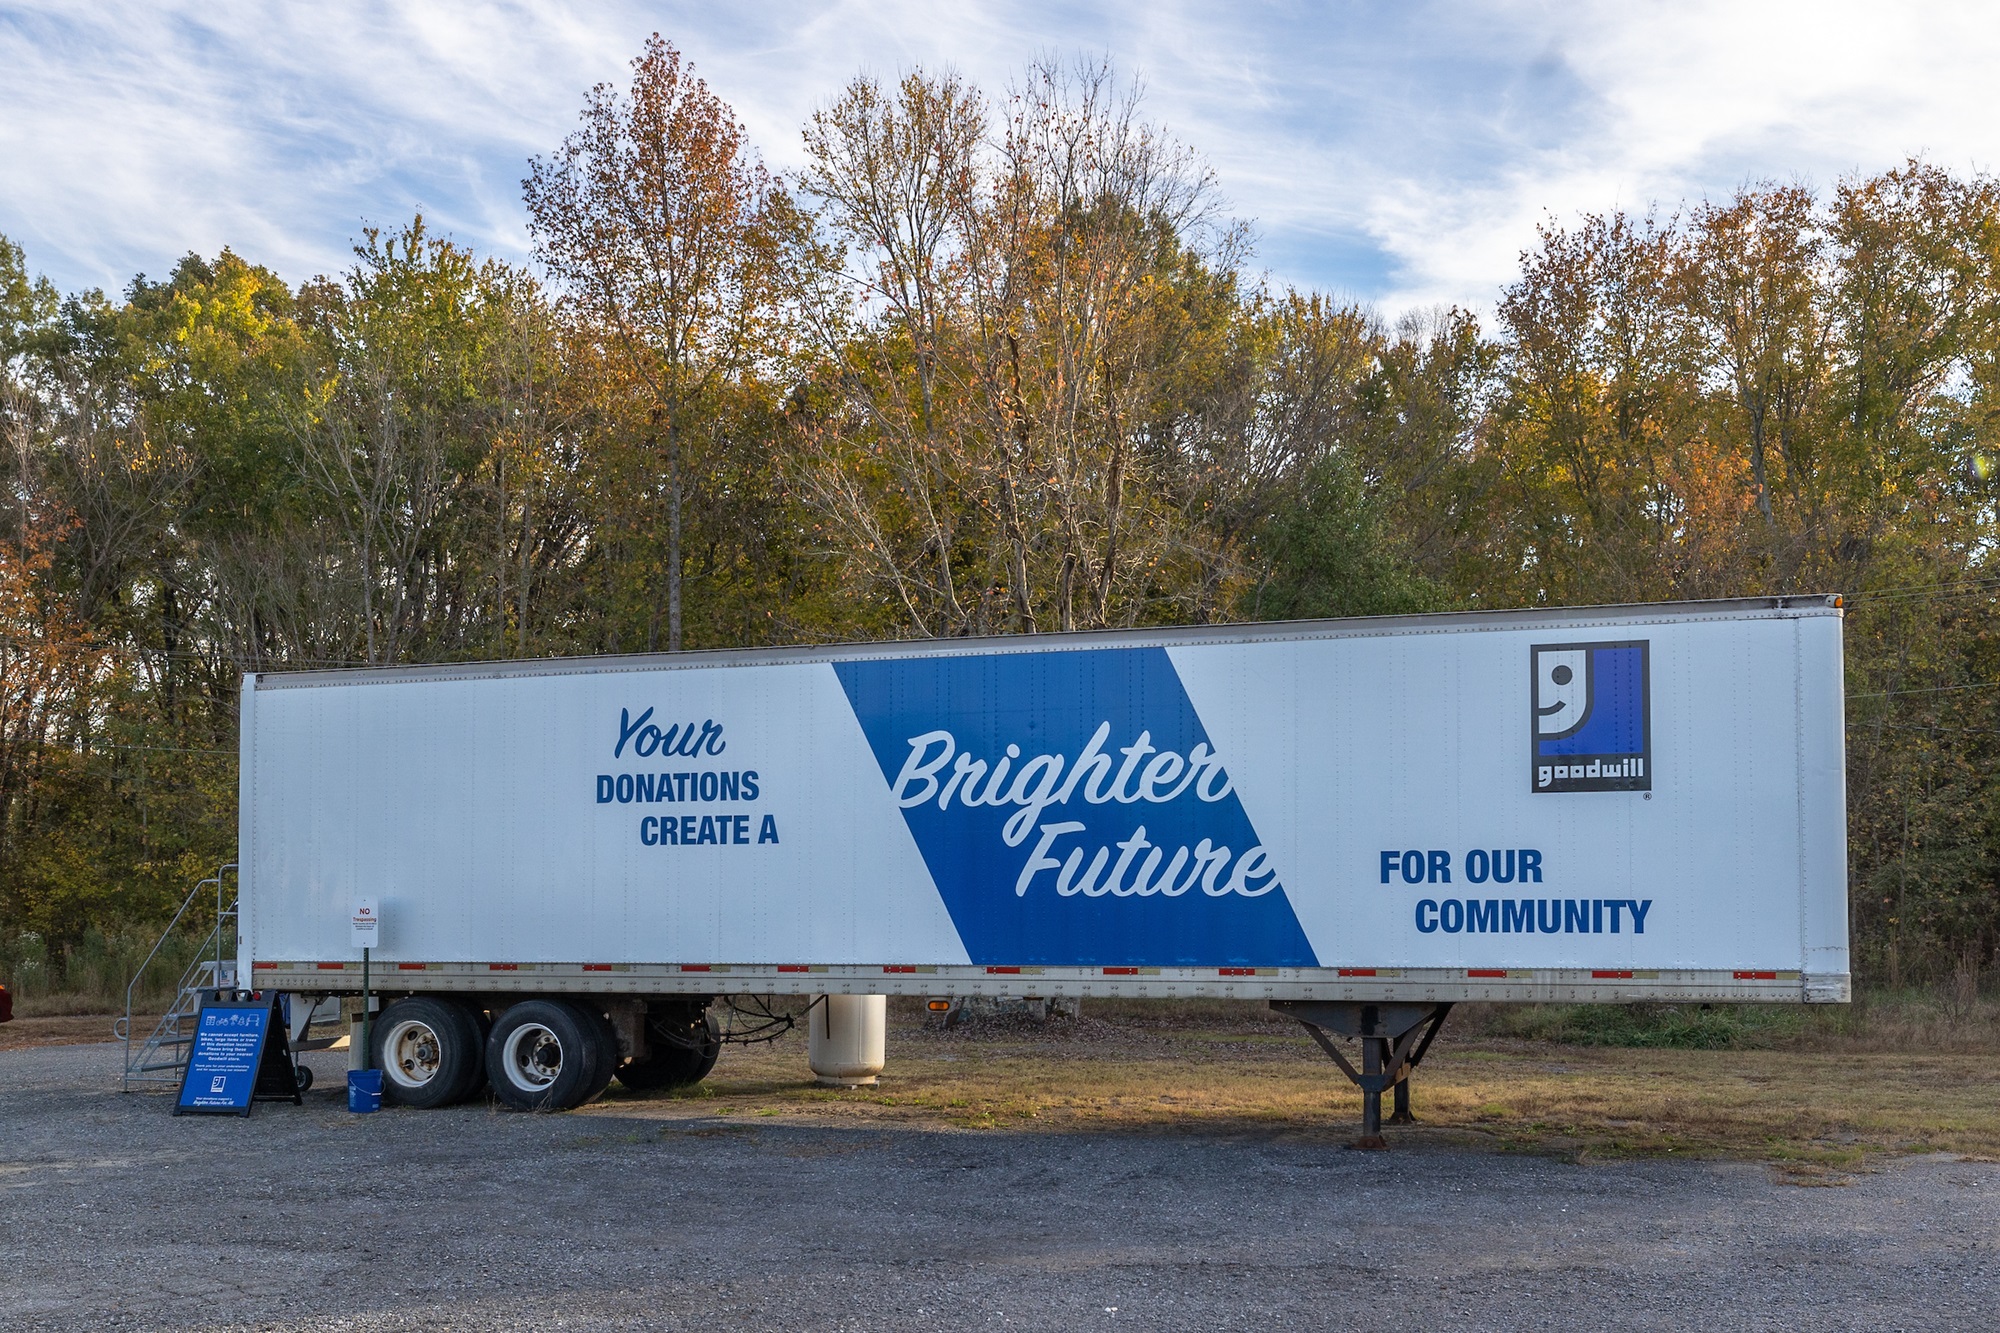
pixel 653 217
pixel 1030 378
pixel 993 367
pixel 47 667
pixel 1788 392
pixel 1326 553
pixel 394 428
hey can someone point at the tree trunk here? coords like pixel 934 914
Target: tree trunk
pixel 674 537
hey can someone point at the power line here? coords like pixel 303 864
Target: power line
pixel 1924 587
pixel 1930 726
pixel 1928 592
pixel 1929 689
pixel 166 749
pixel 133 652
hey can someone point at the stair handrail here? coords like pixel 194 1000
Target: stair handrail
pixel 123 1028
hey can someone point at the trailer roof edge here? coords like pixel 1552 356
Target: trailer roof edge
pixel 1163 636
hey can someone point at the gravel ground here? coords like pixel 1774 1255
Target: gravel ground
pixel 113 1214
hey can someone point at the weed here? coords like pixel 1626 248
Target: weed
pixel 1682 1027
pixel 90 976
pixel 1814 1101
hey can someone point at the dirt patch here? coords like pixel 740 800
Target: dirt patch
pixel 66 1030
pixel 1219 1069
pixel 1215 1067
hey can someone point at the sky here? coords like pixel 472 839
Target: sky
pixel 1396 153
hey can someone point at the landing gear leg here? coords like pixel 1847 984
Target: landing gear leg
pixel 1401 1115
pixel 1393 1038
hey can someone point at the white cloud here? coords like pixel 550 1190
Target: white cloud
pixel 1398 152
pixel 1688 101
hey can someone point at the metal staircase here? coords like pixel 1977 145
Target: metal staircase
pixel 159 1059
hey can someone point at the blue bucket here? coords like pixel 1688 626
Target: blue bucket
pixel 364 1090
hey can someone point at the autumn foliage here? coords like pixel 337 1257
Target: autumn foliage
pixel 982 365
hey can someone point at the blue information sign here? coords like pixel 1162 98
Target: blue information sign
pixel 223 1061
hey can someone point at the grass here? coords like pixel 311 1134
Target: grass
pixel 1688 1027
pixel 1805 1098
pixel 1878 1021
pixel 90 976
pixel 1817 1091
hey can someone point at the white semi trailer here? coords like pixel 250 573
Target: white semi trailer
pixel 1359 821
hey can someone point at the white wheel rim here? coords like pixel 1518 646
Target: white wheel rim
pixel 532 1057
pixel 411 1054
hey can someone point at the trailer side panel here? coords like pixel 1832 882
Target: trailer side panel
pixel 1602 803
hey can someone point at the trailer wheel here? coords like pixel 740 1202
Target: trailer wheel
pixel 543 1055
pixel 428 1051
pixel 609 1055
pixel 683 1045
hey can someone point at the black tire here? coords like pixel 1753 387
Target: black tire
pixel 609 1054
pixel 304 1075
pixel 429 1052
pixel 544 1055
pixel 682 1047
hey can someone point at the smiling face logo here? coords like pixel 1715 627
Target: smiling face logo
pixel 1591 717
pixel 1562 690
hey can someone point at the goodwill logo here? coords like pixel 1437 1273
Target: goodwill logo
pixel 1592 717
pixel 1072 810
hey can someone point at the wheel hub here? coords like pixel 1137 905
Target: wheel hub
pixel 534 1056
pixel 411 1052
